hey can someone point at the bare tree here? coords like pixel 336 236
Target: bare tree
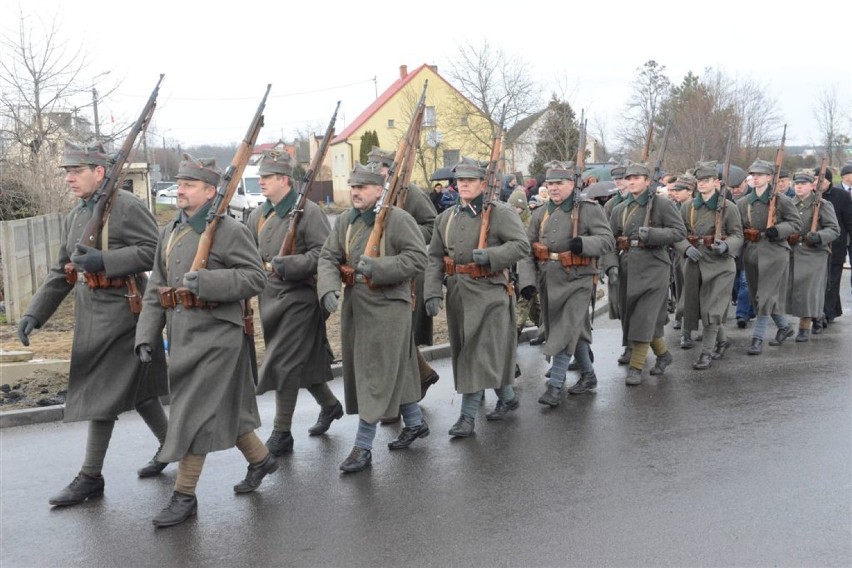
pixel 828 116
pixel 499 86
pixel 759 123
pixel 651 87
pixel 40 74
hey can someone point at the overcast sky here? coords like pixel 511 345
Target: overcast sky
pixel 217 63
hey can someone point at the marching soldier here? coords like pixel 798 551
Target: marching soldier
pixel 642 240
pixel 567 269
pixel 681 192
pixel 105 380
pixel 611 262
pixel 213 403
pixel 766 253
pixel 810 255
pixel 297 351
pixel 380 375
pixel 708 263
pixel 414 202
pixel 480 298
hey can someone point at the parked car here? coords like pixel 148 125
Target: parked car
pixel 168 195
pixel 239 207
pixel 160 185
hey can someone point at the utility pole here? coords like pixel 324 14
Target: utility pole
pixel 95 107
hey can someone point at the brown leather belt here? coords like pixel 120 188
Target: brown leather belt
pixel 476 271
pixel 171 297
pixel 625 244
pixel 566 259
pixel 753 235
pixel 95 281
pixel 706 240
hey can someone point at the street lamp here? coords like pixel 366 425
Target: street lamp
pixel 95 105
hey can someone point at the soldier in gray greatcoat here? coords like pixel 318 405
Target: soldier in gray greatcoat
pixel 480 295
pixel 297 351
pixel 213 405
pixel 645 269
pixel 766 253
pixel 380 375
pixel 708 264
pixel 413 201
pixel 566 266
pixel 611 262
pixel 810 254
pixel 680 192
pixel 105 380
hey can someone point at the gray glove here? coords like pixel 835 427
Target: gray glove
pixel 25 328
pixel 144 352
pixel 693 254
pixel 190 280
pixel 643 233
pixel 88 259
pixel 612 274
pixel 365 266
pixel 480 257
pixel 433 306
pixel 278 265
pixel 329 301
pixel 719 247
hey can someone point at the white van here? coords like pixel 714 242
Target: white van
pixel 251 188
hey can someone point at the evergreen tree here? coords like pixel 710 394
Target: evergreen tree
pixel 558 137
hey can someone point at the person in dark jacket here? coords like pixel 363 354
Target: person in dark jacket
pixel 842 202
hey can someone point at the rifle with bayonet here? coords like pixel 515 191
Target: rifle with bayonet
pixel 721 207
pixel 578 177
pixel 104 199
pixel 779 157
pixel 492 186
pixel 392 181
pixel 658 171
pixel 288 247
pixel 818 195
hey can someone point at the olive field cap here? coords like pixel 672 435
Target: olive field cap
pixel 203 169
pixel 469 168
pixel 637 169
pixel 762 167
pixel 559 170
pixel 687 182
pixel 74 155
pixel 366 175
pixel 804 176
pixel 704 170
pixel 275 162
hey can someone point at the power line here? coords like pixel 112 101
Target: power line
pixel 254 97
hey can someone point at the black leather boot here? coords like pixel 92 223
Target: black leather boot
pixel 179 509
pixel 408 435
pixel 279 443
pixel 83 487
pixel 782 335
pixel 703 361
pixel 624 358
pixel 721 347
pixel 255 474
pixel 462 428
pixel 552 396
pixel 587 382
pixel 153 467
pixel 756 347
pixel 804 335
pixel 503 408
pixel 663 361
pixel 327 415
pixel 358 459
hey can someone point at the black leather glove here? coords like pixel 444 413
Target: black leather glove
pixel 480 257
pixel 329 301
pixel 144 352
pixel 528 292
pixel 278 265
pixel 25 328
pixel 190 280
pixel 365 266
pixel 772 233
pixel 88 259
pixel 813 239
pixel 433 306
pixel 575 245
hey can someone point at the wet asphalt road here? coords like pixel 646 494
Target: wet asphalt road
pixel 747 464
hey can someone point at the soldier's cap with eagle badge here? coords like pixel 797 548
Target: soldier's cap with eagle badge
pixel 557 170
pixel 803 176
pixel 619 170
pixel 762 167
pixel 275 162
pixel 74 155
pixel 687 182
pixel 203 169
pixel 704 170
pixel 468 168
pixel 369 174
pixel 381 157
pixel 637 169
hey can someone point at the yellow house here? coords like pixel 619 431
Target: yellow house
pixel 452 127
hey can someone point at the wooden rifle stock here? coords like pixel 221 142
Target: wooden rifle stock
pixel 818 196
pixel 493 180
pixel 578 177
pixel 392 181
pixel 723 190
pixel 658 172
pixel 104 197
pixel 646 150
pixel 227 187
pixel 779 157
pixel 288 247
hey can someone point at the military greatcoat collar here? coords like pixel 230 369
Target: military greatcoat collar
pixel 368 216
pixel 473 208
pixel 283 207
pixel 698 201
pixel 566 206
pixel 198 222
pixel 807 201
pixel 752 196
pixel 641 200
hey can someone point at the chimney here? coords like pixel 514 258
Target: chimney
pixel 434 68
pixel 403 71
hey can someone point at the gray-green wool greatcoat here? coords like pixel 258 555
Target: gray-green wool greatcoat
pixel 418 205
pixel 707 283
pixel 106 378
pixel 568 291
pixel 297 350
pixel 379 358
pixel 480 313
pixel 767 263
pixel 610 260
pixel 809 265
pixel 644 277
pixel 212 392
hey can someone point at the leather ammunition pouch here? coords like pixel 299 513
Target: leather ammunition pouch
pixel 752 235
pixel 625 244
pixel 795 239
pixel 347 275
pixel 567 259
pixel 170 297
pixel 93 280
pixel 706 240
